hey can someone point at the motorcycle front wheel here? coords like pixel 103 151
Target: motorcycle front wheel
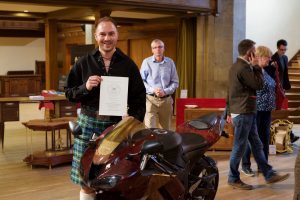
pixel 203 180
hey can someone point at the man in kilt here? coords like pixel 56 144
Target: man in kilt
pixel 83 85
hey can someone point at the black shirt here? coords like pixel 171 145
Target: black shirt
pixel 120 65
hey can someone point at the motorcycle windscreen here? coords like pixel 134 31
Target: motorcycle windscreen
pixel 124 129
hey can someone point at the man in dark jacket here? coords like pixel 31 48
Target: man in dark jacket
pixel 245 77
pixel 282 61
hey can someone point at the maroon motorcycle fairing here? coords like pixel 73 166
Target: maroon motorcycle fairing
pixel 208 126
pixel 124 160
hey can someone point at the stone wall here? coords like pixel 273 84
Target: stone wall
pixel 217 39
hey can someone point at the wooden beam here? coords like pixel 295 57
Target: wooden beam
pixel 21 14
pixel 179 5
pixel 17 25
pixel 21 33
pixel 28 19
pixel 51 54
pixel 70 13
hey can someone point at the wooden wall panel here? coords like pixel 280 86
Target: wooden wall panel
pixel 64 50
pixel 123 45
pixel 139 50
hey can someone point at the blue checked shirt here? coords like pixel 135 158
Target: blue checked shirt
pixel 159 75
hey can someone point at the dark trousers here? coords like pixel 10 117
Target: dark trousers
pixel 263 120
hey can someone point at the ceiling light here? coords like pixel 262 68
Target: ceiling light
pixel 20 14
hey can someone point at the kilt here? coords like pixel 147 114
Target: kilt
pixel 88 125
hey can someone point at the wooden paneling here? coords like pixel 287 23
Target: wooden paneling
pixel 40 67
pixel 123 45
pixel 139 50
pixel 20 85
pixel 64 49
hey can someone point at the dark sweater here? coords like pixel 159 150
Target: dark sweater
pixel 122 66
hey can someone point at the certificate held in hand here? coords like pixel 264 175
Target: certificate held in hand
pixel 113 96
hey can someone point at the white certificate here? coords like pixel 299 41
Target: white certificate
pixel 113 96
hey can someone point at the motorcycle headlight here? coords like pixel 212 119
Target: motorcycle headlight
pixel 106 182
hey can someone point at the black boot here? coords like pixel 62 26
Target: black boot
pixel 294 138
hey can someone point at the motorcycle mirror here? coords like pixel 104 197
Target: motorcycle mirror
pixel 152 147
pixel 75 128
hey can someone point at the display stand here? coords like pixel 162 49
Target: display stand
pixel 56 153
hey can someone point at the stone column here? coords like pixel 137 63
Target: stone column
pixel 217 39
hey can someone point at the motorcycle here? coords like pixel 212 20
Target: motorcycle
pixel 131 161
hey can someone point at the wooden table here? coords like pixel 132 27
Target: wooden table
pixel 9 109
pixel 223 143
pixel 57 153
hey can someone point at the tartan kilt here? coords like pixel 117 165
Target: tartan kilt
pixel 88 126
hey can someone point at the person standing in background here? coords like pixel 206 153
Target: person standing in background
pixel 161 80
pixel 265 103
pixel 282 62
pixel 83 85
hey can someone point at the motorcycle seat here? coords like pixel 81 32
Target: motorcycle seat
pixel 204 122
pixel 169 139
pixel 192 142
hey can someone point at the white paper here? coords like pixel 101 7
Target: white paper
pixel 183 94
pixel 272 149
pixel 113 96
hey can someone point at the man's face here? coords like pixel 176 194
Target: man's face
pixel 158 48
pixel 281 50
pixel 106 36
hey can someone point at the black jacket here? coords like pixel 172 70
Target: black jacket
pixel 122 66
pixel 244 80
pixel 283 70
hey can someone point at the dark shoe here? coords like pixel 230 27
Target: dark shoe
pixel 294 139
pixel 277 178
pixel 240 185
pixel 248 172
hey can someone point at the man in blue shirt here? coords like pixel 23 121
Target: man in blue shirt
pixel 161 80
